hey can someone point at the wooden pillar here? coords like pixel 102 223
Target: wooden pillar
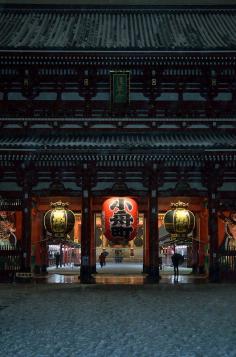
pixel 93 244
pixel 153 243
pixel 146 243
pixel 37 220
pixel 86 223
pixel 215 175
pixel 26 224
pixel 195 259
pixel 213 234
pixel 203 257
pixel 212 178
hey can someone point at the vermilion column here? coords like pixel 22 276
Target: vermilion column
pixel 152 221
pixel 92 243
pixel 86 224
pixel 26 225
pixel 213 236
pixel 213 178
pixel 146 243
pixel 203 240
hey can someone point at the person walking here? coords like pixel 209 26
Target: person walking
pixel 177 259
pixel 57 256
pixel 104 257
pixel 102 260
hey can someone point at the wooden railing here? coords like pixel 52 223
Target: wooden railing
pixel 227 265
pixel 10 263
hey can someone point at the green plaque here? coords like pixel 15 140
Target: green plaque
pixel 119 87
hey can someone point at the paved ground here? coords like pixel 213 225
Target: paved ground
pixel 66 320
pixel 121 273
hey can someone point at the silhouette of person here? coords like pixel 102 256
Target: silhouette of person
pixel 57 256
pixel 177 259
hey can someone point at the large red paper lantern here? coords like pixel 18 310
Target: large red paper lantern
pixel 120 219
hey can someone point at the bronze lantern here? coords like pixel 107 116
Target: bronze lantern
pixel 179 222
pixel 59 220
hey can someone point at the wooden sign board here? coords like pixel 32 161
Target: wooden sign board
pixel 120 87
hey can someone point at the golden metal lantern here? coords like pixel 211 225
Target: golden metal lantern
pixel 59 220
pixel 179 221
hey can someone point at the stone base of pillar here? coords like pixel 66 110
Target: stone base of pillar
pixel 214 274
pixel 93 269
pixel 44 269
pixel 201 269
pixel 25 269
pixel 86 275
pixel 87 279
pixel 153 275
pixel 40 270
pixel 37 269
pixel 146 269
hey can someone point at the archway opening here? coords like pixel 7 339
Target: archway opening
pixel 122 261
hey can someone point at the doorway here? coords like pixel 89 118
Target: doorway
pixel 120 260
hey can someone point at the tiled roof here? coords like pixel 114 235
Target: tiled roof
pixel 118 29
pixel 199 141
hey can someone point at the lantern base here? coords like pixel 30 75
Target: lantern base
pixel 119 241
pixel 181 239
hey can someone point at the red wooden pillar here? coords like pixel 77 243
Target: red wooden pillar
pixel 195 260
pixel 92 243
pixel 203 240
pixel 26 225
pixel 214 180
pixel 146 244
pixel 152 221
pixel 86 231
pixel 35 240
pixel 213 236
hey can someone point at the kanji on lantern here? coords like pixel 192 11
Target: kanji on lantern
pixel 120 219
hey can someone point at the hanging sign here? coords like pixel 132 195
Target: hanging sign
pixel 120 87
pixel 120 219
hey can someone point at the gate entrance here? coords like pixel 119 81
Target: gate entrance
pixel 117 262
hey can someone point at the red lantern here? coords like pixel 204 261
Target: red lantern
pixel 120 219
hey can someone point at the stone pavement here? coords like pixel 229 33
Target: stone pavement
pixel 159 320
